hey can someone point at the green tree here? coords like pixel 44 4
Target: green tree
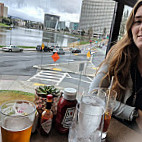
pixel 6 21
pixel 82 32
pixel 90 32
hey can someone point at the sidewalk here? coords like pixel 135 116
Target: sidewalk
pixel 18 85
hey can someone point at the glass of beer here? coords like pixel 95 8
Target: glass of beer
pixel 110 102
pixel 16 120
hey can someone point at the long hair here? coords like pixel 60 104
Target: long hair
pixel 121 56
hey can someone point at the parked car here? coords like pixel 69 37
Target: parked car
pixel 76 50
pixel 59 51
pixel 46 49
pixel 52 47
pixel 12 48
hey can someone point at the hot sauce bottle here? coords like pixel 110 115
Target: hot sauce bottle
pixel 65 110
pixel 46 117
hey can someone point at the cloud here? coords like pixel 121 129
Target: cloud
pixel 68 10
pixel 28 13
pixel 69 6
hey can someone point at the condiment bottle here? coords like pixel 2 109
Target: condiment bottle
pixel 65 110
pixel 46 117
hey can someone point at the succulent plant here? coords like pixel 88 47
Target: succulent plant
pixel 45 90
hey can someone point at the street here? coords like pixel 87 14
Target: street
pixel 19 66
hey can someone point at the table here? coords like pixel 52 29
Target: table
pixel 117 132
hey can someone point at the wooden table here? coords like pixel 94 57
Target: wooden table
pixel 117 132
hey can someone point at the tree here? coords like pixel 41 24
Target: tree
pixel 90 32
pixel 123 23
pixel 82 32
pixel 66 29
pixel 6 21
pixel 104 32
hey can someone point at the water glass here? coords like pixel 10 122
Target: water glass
pixel 16 120
pixel 88 120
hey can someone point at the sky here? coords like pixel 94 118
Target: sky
pixel 68 10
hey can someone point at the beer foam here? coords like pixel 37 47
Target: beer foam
pixel 16 123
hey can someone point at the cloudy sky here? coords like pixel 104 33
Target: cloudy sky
pixel 68 10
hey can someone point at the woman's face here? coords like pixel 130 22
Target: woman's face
pixel 137 28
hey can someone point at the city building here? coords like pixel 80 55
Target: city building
pixel 61 25
pixel 51 22
pixel 5 14
pixel 3 10
pixel 74 26
pixel 96 15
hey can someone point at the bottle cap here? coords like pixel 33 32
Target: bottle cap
pixel 69 94
pixel 49 97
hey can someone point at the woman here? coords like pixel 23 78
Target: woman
pixel 124 62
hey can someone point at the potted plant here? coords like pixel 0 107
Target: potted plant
pixel 40 98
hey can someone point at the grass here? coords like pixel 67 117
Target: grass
pixel 4 25
pixel 27 46
pixel 7 95
pixel 84 42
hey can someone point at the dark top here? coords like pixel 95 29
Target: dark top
pixel 137 89
pixel 136 92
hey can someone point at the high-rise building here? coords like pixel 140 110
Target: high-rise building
pixel 96 15
pixel 74 26
pixel 5 14
pixel 61 25
pixel 51 21
pixel 1 9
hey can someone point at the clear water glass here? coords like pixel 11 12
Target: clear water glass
pixel 88 120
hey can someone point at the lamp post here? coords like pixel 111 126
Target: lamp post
pixel 11 33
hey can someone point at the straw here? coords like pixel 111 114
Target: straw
pixel 111 82
pixel 109 89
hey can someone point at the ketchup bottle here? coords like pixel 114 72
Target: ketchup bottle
pixel 65 110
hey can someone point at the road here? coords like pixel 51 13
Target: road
pixel 19 66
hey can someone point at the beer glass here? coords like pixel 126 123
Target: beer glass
pixel 88 119
pixel 16 120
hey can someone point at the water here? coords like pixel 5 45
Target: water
pixel 32 37
pixel 87 123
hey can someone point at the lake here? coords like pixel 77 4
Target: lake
pixel 32 37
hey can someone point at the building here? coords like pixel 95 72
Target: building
pixel 3 10
pixel 61 25
pixel 74 26
pixel 51 21
pixel 5 14
pixel 96 15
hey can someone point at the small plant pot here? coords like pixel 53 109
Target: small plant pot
pixel 40 101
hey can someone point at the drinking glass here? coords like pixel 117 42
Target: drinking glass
pixel 110 103
pixel 88 120
pixel 16 120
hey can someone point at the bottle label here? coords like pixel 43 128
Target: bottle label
pixel 47 125
pixel 67 120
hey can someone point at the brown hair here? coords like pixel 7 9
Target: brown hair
pixel 121 56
